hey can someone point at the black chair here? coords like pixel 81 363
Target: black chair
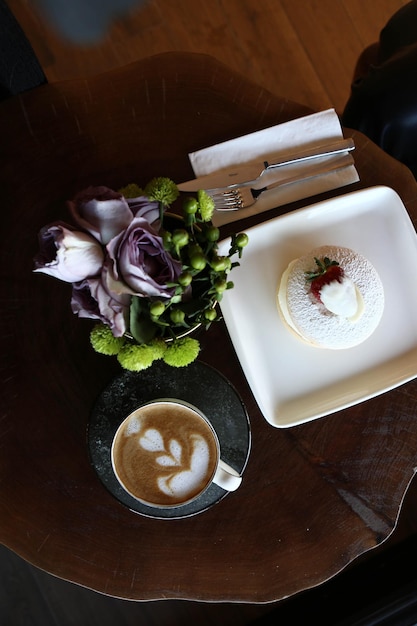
pixel 383 100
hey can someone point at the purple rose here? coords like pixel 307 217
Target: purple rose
pixel 143 207
pixel 101 211
pixel 92 299
pixel 68 255
pixel 106 213
pixel 139 263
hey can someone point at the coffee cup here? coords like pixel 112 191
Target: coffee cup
pixel 166 454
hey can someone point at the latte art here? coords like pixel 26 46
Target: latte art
pixel 165 454
pixel 182 482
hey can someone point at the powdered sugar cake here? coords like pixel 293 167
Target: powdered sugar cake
pixel 350 307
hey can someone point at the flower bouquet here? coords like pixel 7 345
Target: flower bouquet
pixel 147 276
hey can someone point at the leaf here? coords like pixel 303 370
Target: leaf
pixel 142 327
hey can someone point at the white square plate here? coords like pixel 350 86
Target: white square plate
pixel 293 382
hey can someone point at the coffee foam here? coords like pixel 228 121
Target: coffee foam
pixel 133 426
pixel 165 454
pixel 180 484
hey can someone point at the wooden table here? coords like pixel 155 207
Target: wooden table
pixel 314 497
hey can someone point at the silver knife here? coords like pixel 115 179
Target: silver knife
pixel 253 172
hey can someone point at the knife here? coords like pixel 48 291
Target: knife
pixel 251 174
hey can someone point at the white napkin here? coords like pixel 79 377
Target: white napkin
pixel 267 145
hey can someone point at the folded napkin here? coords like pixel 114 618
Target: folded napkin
pixel 267 145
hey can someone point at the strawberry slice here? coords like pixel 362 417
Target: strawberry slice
pixel 327 272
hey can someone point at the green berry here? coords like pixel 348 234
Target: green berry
pixel 210 314
pixel 157 308
pixel 177 316
pixel 212 233
pixel 185 279
pixel 241 240
pixel 220 263
pixel 198 261
pixel 194 248
pixel 190 206
pixel 180 237
pixel 220 285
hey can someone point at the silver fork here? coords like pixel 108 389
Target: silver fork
pixel 243 197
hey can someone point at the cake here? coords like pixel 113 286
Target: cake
pixel 331 298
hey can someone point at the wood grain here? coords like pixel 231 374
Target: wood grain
pixel 314 497
pixel 305 51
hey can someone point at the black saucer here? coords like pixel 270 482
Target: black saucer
pixel 199 384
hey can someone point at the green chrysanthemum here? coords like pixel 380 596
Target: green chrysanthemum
pixel 158 347
pixel 104 342
pixel 163 190
pixel 136 357
pixel 132 191
pixel 181 352
pixel 206 205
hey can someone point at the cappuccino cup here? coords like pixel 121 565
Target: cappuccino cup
pixel 166 454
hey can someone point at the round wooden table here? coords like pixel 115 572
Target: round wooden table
pixel 314 497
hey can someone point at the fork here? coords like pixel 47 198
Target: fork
pixel 243 197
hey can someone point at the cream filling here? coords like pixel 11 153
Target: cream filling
pixel 343 298
pixel 282 298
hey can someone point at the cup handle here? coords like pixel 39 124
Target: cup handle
pixel 226 477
